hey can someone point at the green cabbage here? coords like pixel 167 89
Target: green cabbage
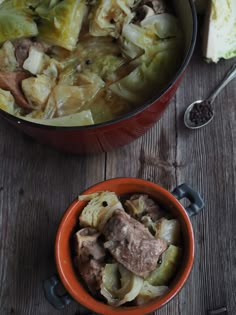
pixel 169 263
pixel 119 285
pixel 149 292
pixel 158 61
pixel 15 22
pixel 82 118
pixel 220 30
pixel 61 22
pixel 108 17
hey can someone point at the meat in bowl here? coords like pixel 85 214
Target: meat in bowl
pixel 128 250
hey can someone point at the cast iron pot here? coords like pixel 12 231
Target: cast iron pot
pixel 109 135
pixel 121 186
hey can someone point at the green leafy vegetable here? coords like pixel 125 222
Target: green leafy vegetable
pixel 148 292
pixel 119 285
pixel 169 264
pixel 61 22
pixel 15 22
pixel 220 30
pixel 82 118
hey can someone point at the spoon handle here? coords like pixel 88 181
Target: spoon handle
pixel 228 78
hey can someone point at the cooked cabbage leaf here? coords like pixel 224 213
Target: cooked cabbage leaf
pixel 168 230
pixel 37 90
pixel 8 60
pixel 7 101
pixel 15 22
pixel 219 40
pixel 108 17
pixel 155 66
pixel 149 292
pixel 60 24
pixel 26 3
pixel 169 263
pixel 164 25
pixel 82 118
pixel 119 285
pixel 68 99
pixel 99 209
pixel 147 78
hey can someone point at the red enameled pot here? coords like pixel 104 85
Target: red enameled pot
pixel 64 260
pixel 107 136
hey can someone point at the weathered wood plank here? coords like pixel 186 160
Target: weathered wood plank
pixel 36 186
pixel 207 157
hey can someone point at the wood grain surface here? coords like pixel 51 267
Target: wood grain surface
pixel 37 184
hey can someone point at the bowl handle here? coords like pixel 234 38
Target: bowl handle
pixel 58 301
pixel 196 201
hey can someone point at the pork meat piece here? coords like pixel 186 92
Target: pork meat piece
pixel 140 205
pixel 22 47
pixel 131 244
pixel 90 258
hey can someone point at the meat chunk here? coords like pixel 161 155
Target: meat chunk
pixel 140 205
pixel 90 257
pixel 131 244
pixel 22 47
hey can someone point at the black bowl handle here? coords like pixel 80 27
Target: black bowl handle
pixel 58 301
pixel 196 201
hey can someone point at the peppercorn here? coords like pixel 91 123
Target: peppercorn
pixel 201 113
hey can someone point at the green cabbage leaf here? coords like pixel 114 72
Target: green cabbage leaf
pixel 119 285
pixel 220 31
pixel 61 22
pixel 157 58
pixel 15 22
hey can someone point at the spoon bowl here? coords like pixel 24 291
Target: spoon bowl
pixel 189 123
pixel 205 115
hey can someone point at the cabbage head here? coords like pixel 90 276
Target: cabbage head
pixel 220 31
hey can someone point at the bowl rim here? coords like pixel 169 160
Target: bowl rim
pixel 155 98
pixel 101 308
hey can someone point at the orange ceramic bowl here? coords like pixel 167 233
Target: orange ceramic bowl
pixel 121 186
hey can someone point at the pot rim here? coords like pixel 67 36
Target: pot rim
pixel 132 113
pixel 97 306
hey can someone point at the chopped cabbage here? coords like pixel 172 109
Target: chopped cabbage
pixel 68 99
pixel 149 292
pixel 164 25
pixel 119 285
pixel 36 61
pixel 161 56
pixel 26 3
pixel 60 24
pixel 99 209
pixel 15 23
pixel 82 118
pixel 108 17
pixel 8 60
pixel 37 90
pixel 220 30
pixel 169 263
pixel 168 230
pixel 7 101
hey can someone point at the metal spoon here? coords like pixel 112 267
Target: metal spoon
pixel 207 102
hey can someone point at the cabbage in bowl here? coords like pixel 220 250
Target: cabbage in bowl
pixel 88 61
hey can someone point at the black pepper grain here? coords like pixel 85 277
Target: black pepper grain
pixel 201 113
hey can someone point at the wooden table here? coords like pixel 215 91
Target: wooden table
pixel 37 184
